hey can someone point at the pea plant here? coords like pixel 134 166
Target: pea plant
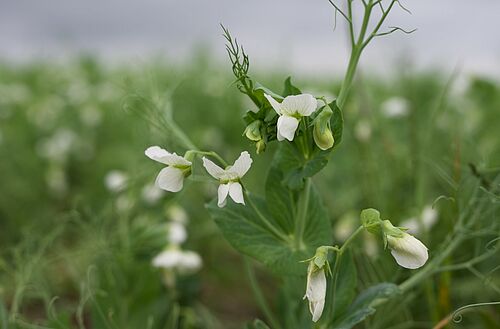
pixel 288 228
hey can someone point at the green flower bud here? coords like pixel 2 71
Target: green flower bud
pixel 260 146
pixel 252 131
pixel 322 133
pixel 370 218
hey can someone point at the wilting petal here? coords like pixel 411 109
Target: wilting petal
pixel 222 192
pixel 316 291
pixel 170 179
pixel 276 106
pixel 213 169
pixel 287 127
pixel 236 193
pixel 242 164
pixel 304 104
pixel 408 251
pixel 161 155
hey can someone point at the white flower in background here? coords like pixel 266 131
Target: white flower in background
pixel 408 251
pixel 229 178
pixel 428 217
pixel 316 290
pixel 57 146
pixel 180 260
pixel 124 204
pixel 115 181
pixel 177 214
pixel 345 226
pixel 363 130
pixel 395 107
pixel 290 111
pixel 151 194
pixel 176 233
pixel 170 178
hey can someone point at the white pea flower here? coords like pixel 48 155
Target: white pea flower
pixel 151 194
pixel 290 111
pixel 170 178
pixel 230 178
pixel 176 259
pixel 395 107
pixel 408 251
pixel 316 290
pixel 176 233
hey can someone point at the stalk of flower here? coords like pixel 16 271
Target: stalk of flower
pixel 172 177
pixel 290 111
pixel 229 178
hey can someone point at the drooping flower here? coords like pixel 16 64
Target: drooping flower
pixel 316 290
pixel 229 178
pixel 408 251
pixel 170 178
pixel 290 111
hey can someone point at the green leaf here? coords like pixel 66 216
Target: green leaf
pixel 364 305
pixel 336 124
pixel 290 89
pixel 266 232
pixel 260 90
pixel 345 290
pixel 295 167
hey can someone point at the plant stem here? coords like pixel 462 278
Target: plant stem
pixel 300 222
pixel 259 296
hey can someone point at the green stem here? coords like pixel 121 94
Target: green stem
pixel 259 296
pixel 209 153
pixel 300 222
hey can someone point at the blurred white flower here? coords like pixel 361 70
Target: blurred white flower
pixel 363 130
pixel 395 107
pixel 58 145
pixel 316 290
pixel 229 178
pixel 180 260
pixel 428 217
pixel 170 178
pixel 177 214
pixel 408 251
pixel 370 245
pixel 116 181
pixel 151 194
pixel 345 226
pixel 124 204
pixel 176 233
pixel 290 111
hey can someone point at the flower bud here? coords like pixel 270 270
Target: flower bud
pixel 322 133
pixel 316 290
pixel 408 251
pixel 252 131
pixel 260 146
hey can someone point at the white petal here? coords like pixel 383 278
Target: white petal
pixel 236 193
pixel 408 251
pixel 161 155
pixel 316 292
pixel 287 127
pixel 276 106
pixel 304 104
pixel 176 233
pixel 213 169
pixel 222 193
pixel 170 179
pixel 242 164
pixel 167 259
pixel 189 261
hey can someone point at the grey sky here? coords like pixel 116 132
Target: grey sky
pixel 292 34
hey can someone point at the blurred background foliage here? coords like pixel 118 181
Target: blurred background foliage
pixel 75 251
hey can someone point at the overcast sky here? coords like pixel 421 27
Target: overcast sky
pixel 293 34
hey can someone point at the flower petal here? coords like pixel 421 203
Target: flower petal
pixel 287 127
pixel 242 164
pixel 170 179
pixel 304 104
pixel 236 193
pixel 161 155
pixel 222 193
pixel 316 291
pixel 213 169
pixel 408 251
pixel 276 106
